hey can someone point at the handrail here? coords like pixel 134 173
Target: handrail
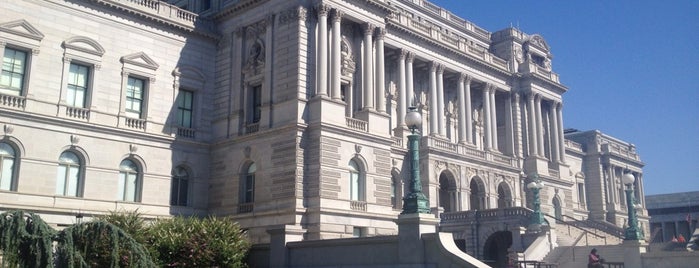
pixel 575 243
pixel 603 226
pixel 569 224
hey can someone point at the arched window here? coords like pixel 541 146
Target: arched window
pixel 179 188
pixel 477 194
pixel 68 179
pixel 7 167
pixel 356 181
pixel 129 181
pixel 248 194
pixel 504 196
pixel 447 193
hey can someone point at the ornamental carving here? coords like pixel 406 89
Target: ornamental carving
pixel 349 63
pixel 255 62
pixel 293 15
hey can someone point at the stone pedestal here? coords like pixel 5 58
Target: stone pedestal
pixel 632 252
pixel 279 236
pixel 536 164
pixel 410 229
pixel 323 109
pixel 378 121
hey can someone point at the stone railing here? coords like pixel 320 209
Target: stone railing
pixel 511 213
pixel 454 40
pixel 574 146
pixel 12 101
pixel 159 10
pixel 252 128
pixel 78 113
pixel 245 208
pixel 357 124
pixel 553 173
pixel 358 205
pixel 397 141
pixel 620 150
pixel 186 132
pixel 136 123
pixel 468 150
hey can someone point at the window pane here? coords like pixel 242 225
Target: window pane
pixel 6 175
pixel 6 150
pixel 130 192
pixel 174 190
pixel 354 186
pixel 128 165
pixel 61 180
pixel 121 185
pixel 73 177
pixel 184 186
pixel 13 68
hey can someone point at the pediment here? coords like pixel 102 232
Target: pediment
pixel 21 28
pixel 140 59
pixel 539 41
pixel 84 44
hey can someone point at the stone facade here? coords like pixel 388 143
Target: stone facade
pixel 287 113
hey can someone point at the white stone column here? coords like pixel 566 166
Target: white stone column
pixel 468 120
pixel 267 86
pixel 517 127
pixel 336 61
pixel 440 102
pixel 410 94
pixel 561 135
pixel 380 91
pixel 486 119
pixel 462 108
pixel 509 127
pixel 434 118
pixel 402 100
pixel 493 119
pixel 539 127
pixel 322 47
pixel 555 146
pixel 368 78
pixel 533 136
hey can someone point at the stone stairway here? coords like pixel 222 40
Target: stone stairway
pixel 569 256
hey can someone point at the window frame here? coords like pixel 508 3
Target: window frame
pixel 254 108
pixel 129 101
pixel 87 88
pixel 79 176
pixel 247 183
pixel 179 179
pixel 357 181
pixel 122 187
pixel 14 167
pixel 181 110
pixel 8 89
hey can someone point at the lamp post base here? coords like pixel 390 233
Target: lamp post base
pixel 415 203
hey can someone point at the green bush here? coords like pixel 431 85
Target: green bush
pixel 195 242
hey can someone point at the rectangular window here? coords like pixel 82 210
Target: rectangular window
pixel 185 101
pixel 358 232
pixel 178 192
pixel 14 67
pixel 78 78
pixel 134 96
pixel 256 103
pixel 205 5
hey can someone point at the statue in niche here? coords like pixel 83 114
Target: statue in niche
pixel 256 58
pixel 348 62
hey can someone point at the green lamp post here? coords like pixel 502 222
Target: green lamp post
pixel 415 201
pixel 537 218
pixel 632 232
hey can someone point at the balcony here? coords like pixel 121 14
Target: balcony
pixel 441 144
pixel 245 208
pixel 78 113
pixel 357 124
pixel 17 102
pixel 135 123
pixel 186 132
pixel 156 10
pixel 358 205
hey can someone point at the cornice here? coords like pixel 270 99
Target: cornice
pixel 237 8
pixel 450 23
pixel 538 78
pixel 432 42
pixel 183 20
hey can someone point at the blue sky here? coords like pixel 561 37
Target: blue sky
pixel 631 68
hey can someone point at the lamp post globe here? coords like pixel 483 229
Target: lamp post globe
pixel 414 201
pixel 413 119
pixel 628 178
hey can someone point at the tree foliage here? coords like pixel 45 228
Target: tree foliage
pixel 122 239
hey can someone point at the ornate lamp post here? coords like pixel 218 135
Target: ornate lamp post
pixel 536 185
pixel 632 232
pixel 415 201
